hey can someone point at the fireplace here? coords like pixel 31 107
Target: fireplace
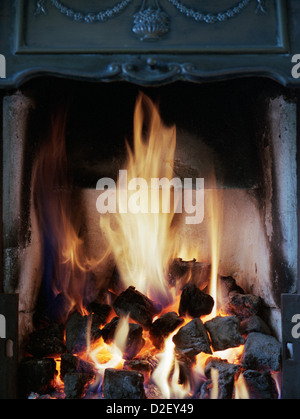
pixel 224 252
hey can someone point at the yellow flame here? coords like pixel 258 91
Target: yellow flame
pixel 232 355
pixel 142 242
pixel 200 363
pixel 178 391
pixel 169 388
pixel 214 373
pixel 215 210
pixel 160 375
pixel 241 390
pixel 121 333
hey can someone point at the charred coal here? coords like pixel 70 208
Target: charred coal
pixel 139 307
pixel 162 327
pixel 121 384
pixel 224 332
pixel 194 302
pixel 192 339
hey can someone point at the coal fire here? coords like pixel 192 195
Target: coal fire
pixel 163 325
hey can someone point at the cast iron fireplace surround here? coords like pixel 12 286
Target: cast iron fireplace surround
pixel 191 41
pixel 153 43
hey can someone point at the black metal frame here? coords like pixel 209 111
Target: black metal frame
pixel 98 53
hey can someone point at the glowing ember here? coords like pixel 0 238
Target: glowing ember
pixel 111 356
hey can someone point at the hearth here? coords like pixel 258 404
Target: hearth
pixel 150 243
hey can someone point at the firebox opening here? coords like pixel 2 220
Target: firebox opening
pixel 243 130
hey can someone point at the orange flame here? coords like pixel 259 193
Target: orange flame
pixel 69 272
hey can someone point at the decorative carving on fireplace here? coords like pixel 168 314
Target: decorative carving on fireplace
pixel 215 17
pixel 189 48
pixel 101 16
pixel 155 71
pixel 150 23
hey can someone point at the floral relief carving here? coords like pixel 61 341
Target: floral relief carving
pixel 151 22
